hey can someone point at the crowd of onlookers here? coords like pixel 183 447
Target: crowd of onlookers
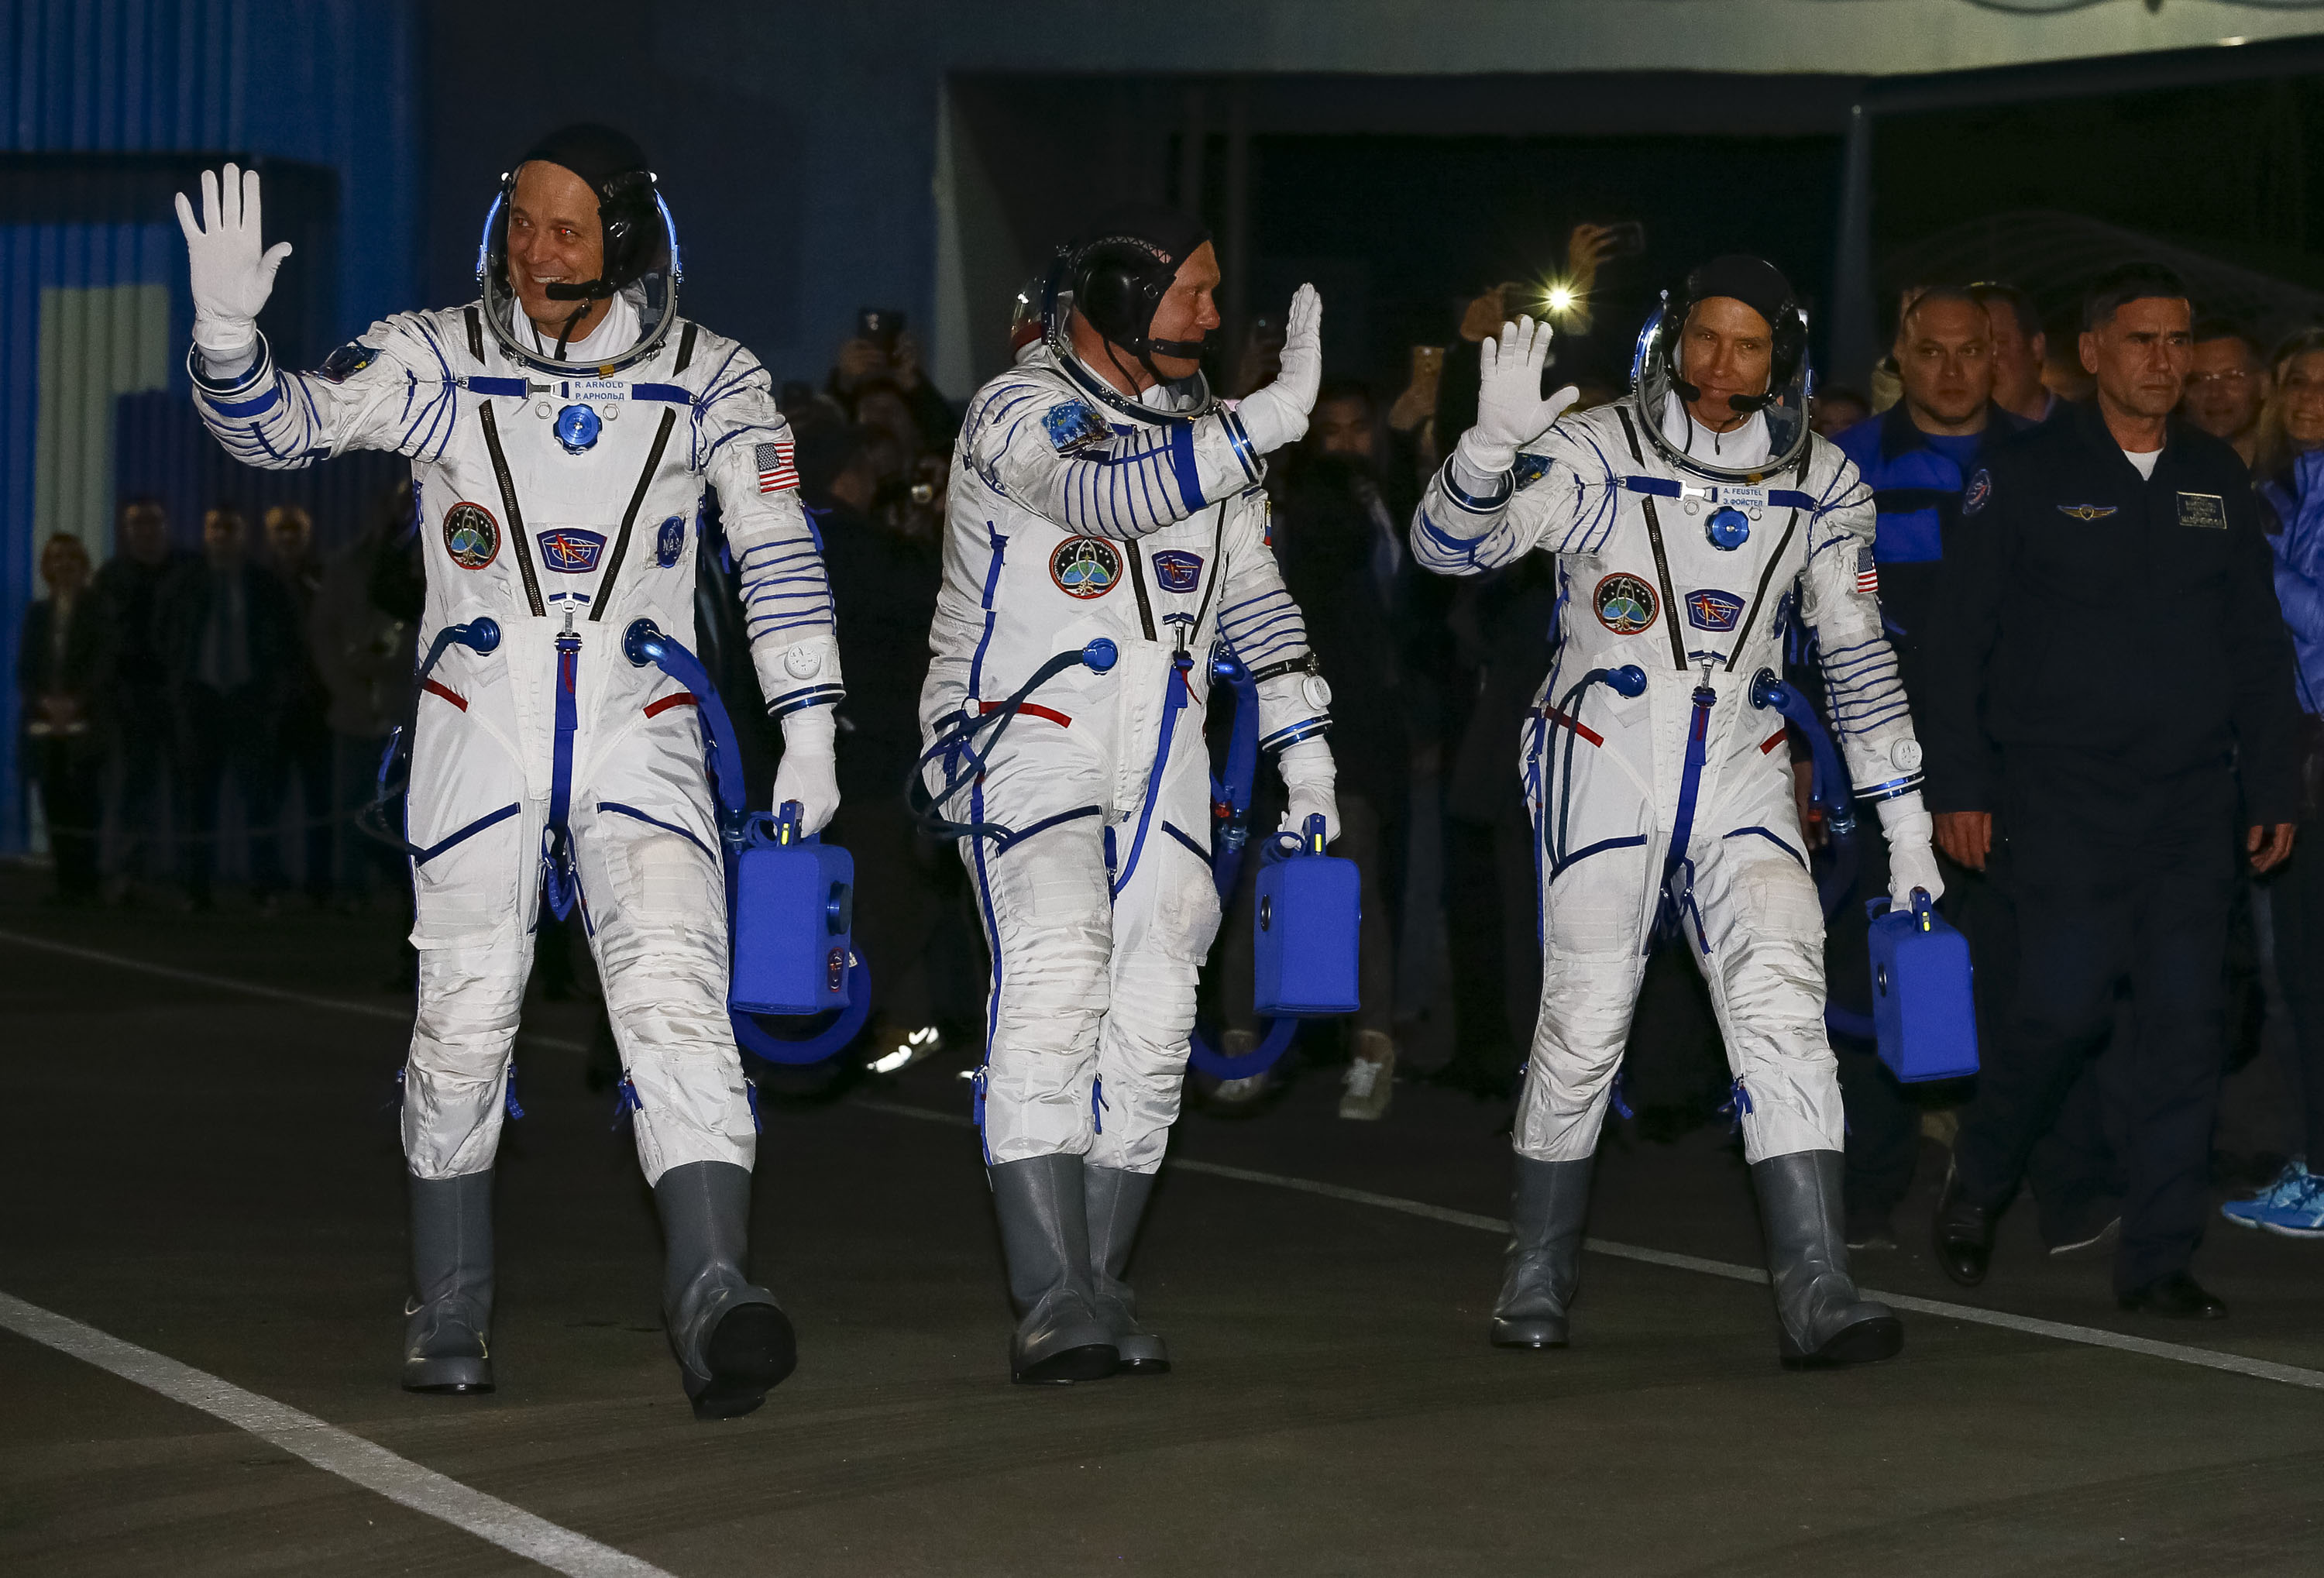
pixel 148 687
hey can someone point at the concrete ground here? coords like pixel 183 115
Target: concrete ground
pixel 214 1176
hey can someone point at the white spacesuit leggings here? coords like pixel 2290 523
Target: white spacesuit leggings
pixel 654 905
pixel 1092 996
pixel 1757 933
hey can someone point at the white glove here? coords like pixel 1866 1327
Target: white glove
pixel 1510 409
pixel 1276 415
pixel 1309 775
pixel 810 769
pixel 232 277
pixel 1912 864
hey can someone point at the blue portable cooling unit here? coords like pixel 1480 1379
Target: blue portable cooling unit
pixel 793 920
pixel 1923 1008
pixel 1309 910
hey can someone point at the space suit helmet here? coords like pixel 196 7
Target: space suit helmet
pixel 1115 276
pixel 640 259
pixel 1657 374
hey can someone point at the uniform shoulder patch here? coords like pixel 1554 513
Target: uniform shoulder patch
pixel 1530 469
pixel 1978 492
pixel 348 360
pixel 1072 425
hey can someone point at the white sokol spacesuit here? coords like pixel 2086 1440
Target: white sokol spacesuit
pixel 559 491
pixel 1079 516
pixel 1659 790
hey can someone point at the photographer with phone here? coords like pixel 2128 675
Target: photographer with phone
pixel 882 351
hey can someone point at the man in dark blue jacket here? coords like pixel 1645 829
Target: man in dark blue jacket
pixel 2109 660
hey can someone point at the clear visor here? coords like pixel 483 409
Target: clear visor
pixel 653 295
pixel 1653 384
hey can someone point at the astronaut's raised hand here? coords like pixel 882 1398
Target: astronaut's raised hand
pixel 1912 864
pixel 1310 780
pixel 1276 415
pixel 233 275
pixel 1510 409
pixel 810 769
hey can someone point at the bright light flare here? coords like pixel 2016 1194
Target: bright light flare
pixel 1561 298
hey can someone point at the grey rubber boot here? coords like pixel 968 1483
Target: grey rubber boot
pixel 1546 1213
pixel 1824 1325
pixel 1114 1200
pixel 449 1320
pixel 1044 1235
pixel 732 1340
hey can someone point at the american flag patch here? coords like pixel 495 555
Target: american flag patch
pixel 1868 574
pixel 776 472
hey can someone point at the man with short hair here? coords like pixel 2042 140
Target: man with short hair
pixel 2019 347
pixel 1106 527
pixel 134 700
pixel 564 431
pixel 2226 385
pixel 2108 662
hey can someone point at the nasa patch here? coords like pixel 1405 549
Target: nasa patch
pixel 571 552
pixel 348 360
pixel 471 536
pixel 1073 425
pixel 1178 572
pixel 1625 603
pixel 1710 609
pixel 669 541
pixel 1085 567
pixel 1979 489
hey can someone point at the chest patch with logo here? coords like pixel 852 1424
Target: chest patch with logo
pixel 1979 489
pixel 1085 567
pixel 471 536
pixel 1625 603
pixel 1073 426
pixel 571 552
pixel 1710 609
pixel 1178 572
pixel 2206 511
pixel 669 541
pixel 2088 512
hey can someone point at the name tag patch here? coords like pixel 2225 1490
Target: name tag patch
pixel 2208 512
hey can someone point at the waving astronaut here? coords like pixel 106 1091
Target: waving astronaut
pixel 563 430
pixel 1691 521
pixel 1106 528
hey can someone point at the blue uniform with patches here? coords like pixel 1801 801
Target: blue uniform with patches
pixel 1669 796
pixel 2110 674
pixel 1071 522
pixel 563 509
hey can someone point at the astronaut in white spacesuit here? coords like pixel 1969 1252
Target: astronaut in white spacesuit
pixel 1103 503
pixel 563 431
pixel 1691 521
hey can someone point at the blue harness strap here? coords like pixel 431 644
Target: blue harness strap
pixel 560 881
pixel 1177 690
pixel 1678 895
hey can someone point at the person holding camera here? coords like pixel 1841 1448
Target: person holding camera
pixel 1106 527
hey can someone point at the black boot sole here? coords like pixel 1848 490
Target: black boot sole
pixel 1530 1333
pixel 448 1377
pixel 1093 1362
pixel 1142 1367
pixel 1865 1342
pixel 749 1351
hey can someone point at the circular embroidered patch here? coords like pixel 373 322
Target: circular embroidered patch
pixel 471 536
pixel 1085 567
pixel 1625 603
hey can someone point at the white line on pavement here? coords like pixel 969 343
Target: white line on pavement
pixel 330 1449
pixel 377 1011
pixel 2090 1336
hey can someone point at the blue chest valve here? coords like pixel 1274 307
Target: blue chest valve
pixel 1729 528
pixel 1309 915
pixel 1924 1004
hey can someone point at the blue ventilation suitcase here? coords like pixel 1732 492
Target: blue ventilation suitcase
pixel 794 920
pixel 1923 1008
pixel 1309 910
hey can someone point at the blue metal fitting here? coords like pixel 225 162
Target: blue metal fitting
pixel 1101 655
pixel 481 634
pixel 1629 680
pixel 1729 528
pixel 642 643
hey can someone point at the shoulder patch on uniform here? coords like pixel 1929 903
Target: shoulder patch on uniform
pixel 1979 490
pixel 348 360
pixel 1072 426
pixel 1531 469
